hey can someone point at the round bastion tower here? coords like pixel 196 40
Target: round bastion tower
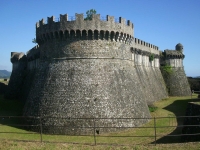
pixel 176 80
pixel 85 71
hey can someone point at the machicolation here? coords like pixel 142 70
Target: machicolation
pixel 92 69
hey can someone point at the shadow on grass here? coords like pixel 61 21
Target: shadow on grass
pixel 11 112
pixel 8 108
pixel 3 88
pixel 178 107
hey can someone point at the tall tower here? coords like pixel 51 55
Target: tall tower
pixel 173 72
pixel 85 70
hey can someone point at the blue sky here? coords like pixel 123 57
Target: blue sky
pixel 163 23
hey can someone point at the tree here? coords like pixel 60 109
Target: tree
pixel 194 83
pixel 89 14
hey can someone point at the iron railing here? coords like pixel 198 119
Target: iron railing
pixel 153 131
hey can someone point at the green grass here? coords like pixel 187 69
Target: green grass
pixel 171 107
pixel 2 81
pixel 21 145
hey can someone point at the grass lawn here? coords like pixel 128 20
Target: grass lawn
pixel 171 107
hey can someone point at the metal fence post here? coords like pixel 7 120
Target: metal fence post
pixel 95 142
pixel 155 130
pixel 40 129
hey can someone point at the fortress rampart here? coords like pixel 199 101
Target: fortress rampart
pixel 19 61
pixel 136 56
pixel 33 58
pixel 90 68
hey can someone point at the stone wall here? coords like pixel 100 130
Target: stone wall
pixel 177 83
pixel 71 89
pixel 92 79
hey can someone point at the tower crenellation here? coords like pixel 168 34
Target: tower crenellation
pixel 96 28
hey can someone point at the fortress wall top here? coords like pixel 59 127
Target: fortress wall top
pixel 33 53
pixel 63 24
pixel 18 60
pixel 173 58
pixel 139 44
pixel 173 54
pixel 16 57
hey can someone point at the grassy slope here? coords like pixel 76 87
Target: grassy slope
pixel 174 106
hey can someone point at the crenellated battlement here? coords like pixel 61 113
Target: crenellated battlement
pixel 145 44
pixel 97 28
pixel 142 52
pixel 173 54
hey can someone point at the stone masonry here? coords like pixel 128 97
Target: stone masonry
pixel 88 69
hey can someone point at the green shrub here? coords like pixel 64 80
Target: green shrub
pixel 152 108
pixel 151 57
pixel 167 69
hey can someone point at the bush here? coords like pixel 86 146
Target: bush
pixel 152 108
pixel 151 57
pixel 167 69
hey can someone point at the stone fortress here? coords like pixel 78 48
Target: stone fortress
pixel 93 69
